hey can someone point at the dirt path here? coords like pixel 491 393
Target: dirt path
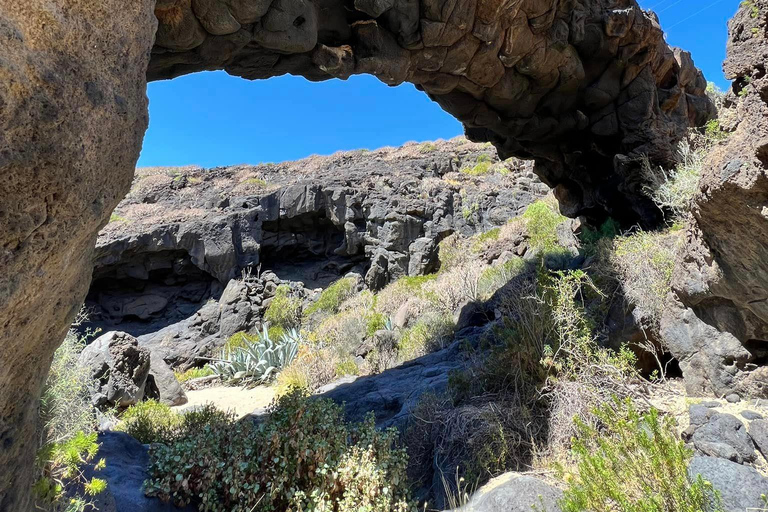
pixel 241 401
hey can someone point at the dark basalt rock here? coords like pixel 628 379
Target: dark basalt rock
pixel 716 322
pixel 183 235
pixel 740 486
pixel 583 88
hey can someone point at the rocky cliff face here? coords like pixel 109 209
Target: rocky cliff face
pixel 717 324
pixel 181 235
pixel 582 87
pixel 73 105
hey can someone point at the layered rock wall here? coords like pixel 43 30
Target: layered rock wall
pixel 584 88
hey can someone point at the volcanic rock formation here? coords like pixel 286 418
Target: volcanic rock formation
pixel 584 88
pixel 181 235
pixel 73 111
pixel 717 322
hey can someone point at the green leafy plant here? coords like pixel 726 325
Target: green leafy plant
pixel 257 361
pixel 303 456
pixel 427 147
pixel 541 224
pixel 632 462
pixel 149 421
pixel 331 298
pixel 63 484
pixel 193 373
pixel 283 311
pixel 152 422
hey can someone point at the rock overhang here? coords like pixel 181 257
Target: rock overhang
pixel 584 89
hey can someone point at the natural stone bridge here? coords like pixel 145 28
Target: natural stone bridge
pixel 582 86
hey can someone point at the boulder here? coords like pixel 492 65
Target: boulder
pixel 740 486
pixel 125 471
pixel 162 384
pixel 392 394
pixel 758 431
pixel 512 492
pixel 118 368
pixel 724 435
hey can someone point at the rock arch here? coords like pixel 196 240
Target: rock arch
pixel 581 86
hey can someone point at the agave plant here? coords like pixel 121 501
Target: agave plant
pixel 257 361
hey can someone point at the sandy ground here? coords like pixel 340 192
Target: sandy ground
pixel 241 401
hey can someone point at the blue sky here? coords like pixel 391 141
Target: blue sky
pixel 212 119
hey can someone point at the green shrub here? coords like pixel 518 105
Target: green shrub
pixel 590 236
pixel 394 295
pixel 117 218
pixel 255 181
pixel 673 190
pixel 65 405
pixel 347 367
pixel 494 277
pixel 62 485
pixel 302 457
pixel 633 462
pixel 193 373
pixel 479 242
pixel 541 220
pixel 427 147
pixel 152 422
pixel 376 322
pixel 331 298
pixel 149 422
pixel 643 262
pixel 429 333
pixel 479 169
pixel 284 311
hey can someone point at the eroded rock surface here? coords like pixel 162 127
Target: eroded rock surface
pixel 583 87
pixel 165 265
pixel 118 369
pixel 74 111
pixel 717 322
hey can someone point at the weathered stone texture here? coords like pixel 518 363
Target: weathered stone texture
pixel 583 88
pixel 717 322
pixel 73 111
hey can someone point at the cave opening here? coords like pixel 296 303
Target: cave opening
pixel 309 248
pixel 144 292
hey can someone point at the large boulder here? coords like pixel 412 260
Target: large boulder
pixel 740 486
pixel 162 384
pixel 724 435
pixel 74 111
pixel 125 471
pixel 118 368
pixel 716 321
pixel 512 492
pixel 392 394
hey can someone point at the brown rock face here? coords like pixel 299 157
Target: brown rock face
pixel 73 112
pixel 718 323
pixel 583 87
